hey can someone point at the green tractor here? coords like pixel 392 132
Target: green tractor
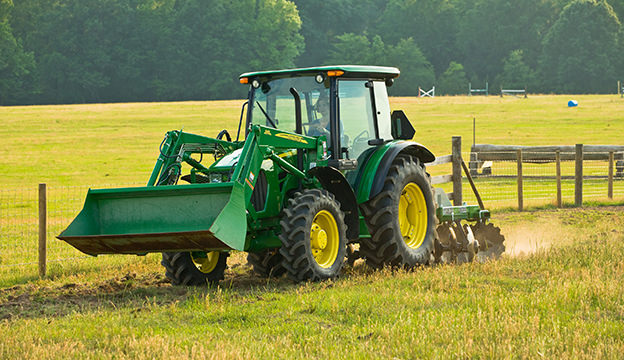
pixel 326 174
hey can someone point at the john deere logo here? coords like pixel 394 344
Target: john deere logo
pixel 267 132
pixel 292 137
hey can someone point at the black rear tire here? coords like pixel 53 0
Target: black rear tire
pixel 267 263
pixel 313 236
pixel 388 246
pixel 180 269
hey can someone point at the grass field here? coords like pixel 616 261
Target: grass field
pixel 559 295
pixel 118 143
pixel 556 294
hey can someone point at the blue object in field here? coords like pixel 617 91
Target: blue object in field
pixel 572 103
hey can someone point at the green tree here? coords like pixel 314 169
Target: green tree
pixel 490 29
pixel 323 20
pixel 618 8
pixel 579 54
pixel 516 74
pixel 453 81
pixel 416 70
pixel 16 64
pixel 358 49
pixel 432 24
pixel 214 44
pixel 125 50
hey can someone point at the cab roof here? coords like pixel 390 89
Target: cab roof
pixel 350 71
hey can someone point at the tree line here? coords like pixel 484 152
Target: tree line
pixel 76 51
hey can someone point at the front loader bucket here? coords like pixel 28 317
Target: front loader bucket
pixel 159 219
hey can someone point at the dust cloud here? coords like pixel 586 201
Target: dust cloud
pixel 528 238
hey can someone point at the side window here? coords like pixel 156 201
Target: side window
pixel 383 110
pixel 355 116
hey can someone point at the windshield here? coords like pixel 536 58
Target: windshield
pixel 274 105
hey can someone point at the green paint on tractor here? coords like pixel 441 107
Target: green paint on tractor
pixel 320 177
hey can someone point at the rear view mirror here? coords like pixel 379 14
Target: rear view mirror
pixel 401 128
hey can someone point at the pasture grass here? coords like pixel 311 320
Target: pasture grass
pixel 557 294
pixel 99 144
pixel 71 147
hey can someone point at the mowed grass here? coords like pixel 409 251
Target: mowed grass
pixel 118 143
pixel 560 298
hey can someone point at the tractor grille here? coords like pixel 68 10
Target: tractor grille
pixel 259 194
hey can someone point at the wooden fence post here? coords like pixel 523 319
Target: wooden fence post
pixel 610 185
pixel 578 176
pixel 43 212
pixel 457 171
pixel 520 192
pixel 558 167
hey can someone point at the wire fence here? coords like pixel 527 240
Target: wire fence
pixel 19 223
pixel 496 182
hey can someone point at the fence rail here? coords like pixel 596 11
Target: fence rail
pixel 517 176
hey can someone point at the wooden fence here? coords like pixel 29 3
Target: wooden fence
pixel 482 157
pixel 456 176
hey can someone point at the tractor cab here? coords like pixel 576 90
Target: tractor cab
pixel 347 104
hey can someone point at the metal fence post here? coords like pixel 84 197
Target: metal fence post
pixel 520 192
pixel 558 169
pixel 578 176
pixel 43 230
pixel 457 171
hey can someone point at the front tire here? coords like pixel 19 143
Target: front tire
pixel 196 268
pixel 401 218
pixel 313 236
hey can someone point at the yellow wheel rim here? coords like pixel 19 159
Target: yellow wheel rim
pixel 324 239
pixel 206 263
pixel 413 215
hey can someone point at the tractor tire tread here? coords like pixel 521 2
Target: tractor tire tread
pixel 386 246
pixel 295 236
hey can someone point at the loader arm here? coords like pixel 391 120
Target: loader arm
pixel 193 217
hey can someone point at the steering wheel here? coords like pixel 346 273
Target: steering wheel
pixel 360 135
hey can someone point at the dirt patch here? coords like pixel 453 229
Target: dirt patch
pixel 129 291
pixel 27 301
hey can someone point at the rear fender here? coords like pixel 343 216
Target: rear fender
pixel 375 170
pixel 333 181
